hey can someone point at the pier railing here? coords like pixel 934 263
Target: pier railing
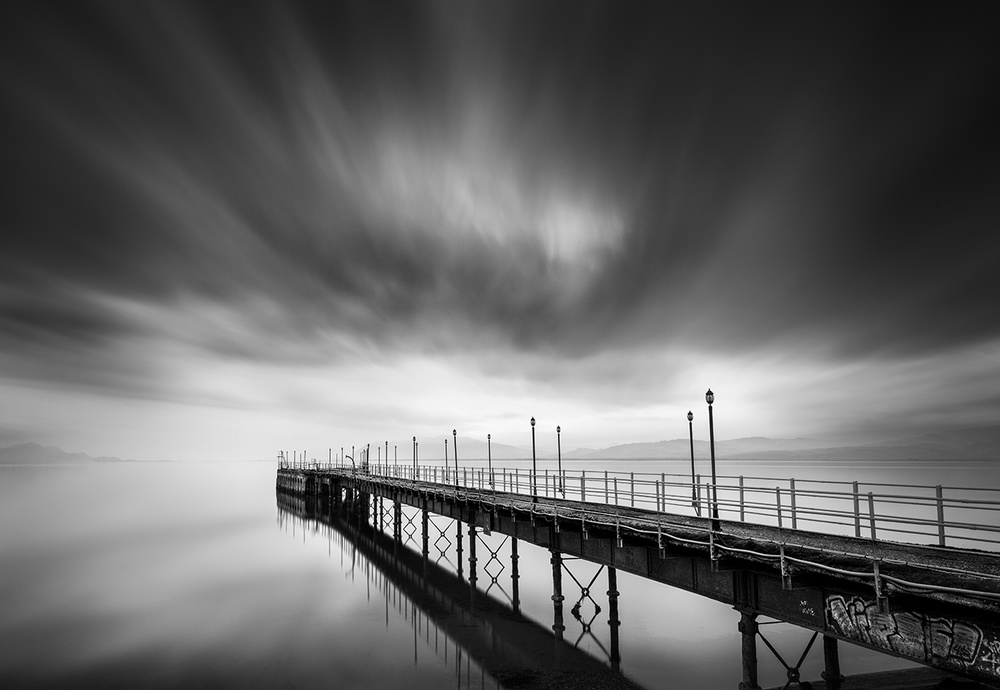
pixel 920 514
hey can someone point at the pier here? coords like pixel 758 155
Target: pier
pixel 812 555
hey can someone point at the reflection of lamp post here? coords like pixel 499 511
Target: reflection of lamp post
pixel 694 491
pixel 562 489
pixel 534 468
pixel 454 433
pixel 710 398
pixel 489 458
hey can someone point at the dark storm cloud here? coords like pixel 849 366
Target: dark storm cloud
pixel 563 177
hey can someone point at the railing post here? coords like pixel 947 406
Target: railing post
pixel 697 485
pixel 663 492
pixel 857 511
pixel 742 514
pixel 583 486
pixel 791 490
pixel 939 493
pixel 616 490
pixel 777 494
pixel 871 514
pixel 606 495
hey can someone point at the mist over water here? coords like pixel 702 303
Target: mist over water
pixel 188 575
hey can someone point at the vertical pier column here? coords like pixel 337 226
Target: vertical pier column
pixel 831 661
pixel 613 621
pixel 458 537
pixel 472 565
pixel 557 595
pixel 364 506
pixel 425 537
pixel 514 576
pixel 748 628
pixel 397 519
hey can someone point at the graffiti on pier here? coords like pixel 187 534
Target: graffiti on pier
pixel 951 641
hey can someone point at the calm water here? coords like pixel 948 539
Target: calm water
pixel 189 575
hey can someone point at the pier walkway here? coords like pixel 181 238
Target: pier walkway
pixel 934 600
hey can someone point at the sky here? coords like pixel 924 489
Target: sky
pixel 232 228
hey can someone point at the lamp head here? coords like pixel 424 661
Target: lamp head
pixel 558 429
pixel 532 421
pixel 710 397
pixel 690 416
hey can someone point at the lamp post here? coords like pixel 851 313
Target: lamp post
pixel 534 465
pixel 694 489
pixel 710 398
pixel 446 460
pixel 454 434
pixel 415 473
pixel 489 458
pixel 562 489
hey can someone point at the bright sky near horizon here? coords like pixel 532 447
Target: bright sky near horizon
pixel 237 227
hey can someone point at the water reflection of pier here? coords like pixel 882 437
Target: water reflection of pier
pixel 457 618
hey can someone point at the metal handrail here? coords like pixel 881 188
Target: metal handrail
pixel 834 506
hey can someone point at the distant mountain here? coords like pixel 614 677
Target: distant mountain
pixel 977 443
pixel 34 454
pixel 681 448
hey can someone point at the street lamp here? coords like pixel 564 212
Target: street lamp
pixel 534 465
pixel 454 433
pixel 415 473
pixel 710 398
pixel 446 460
pixel 562 489
pixel 694 490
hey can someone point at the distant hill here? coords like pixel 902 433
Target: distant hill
pixel 34 454
pixel 977 443
pixel 681 448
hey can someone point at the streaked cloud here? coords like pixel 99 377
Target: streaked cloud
pixel 592 209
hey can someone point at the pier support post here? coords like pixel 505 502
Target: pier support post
pixel 472 565
pixel 557 596
pixel 397 520
pixel 424 535
pixel 613 620
pixel 458 537
pixel 748 628
pixel 831 662
pixel 514 576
